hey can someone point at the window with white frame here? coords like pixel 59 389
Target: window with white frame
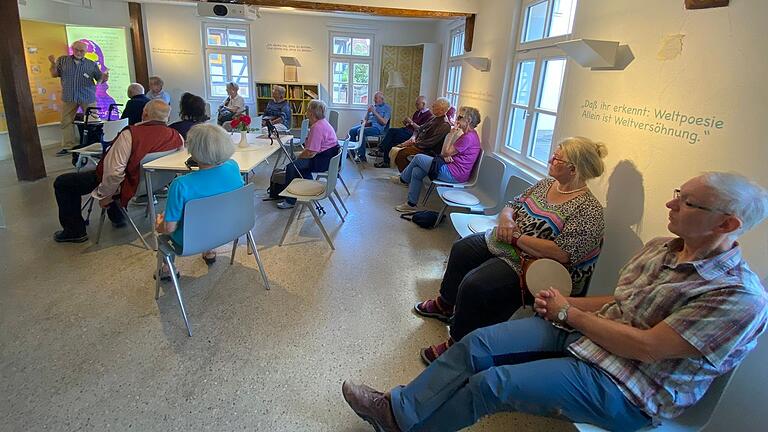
pixel 454 67
pixel 537 82
pixel 351 64
pixel 227 56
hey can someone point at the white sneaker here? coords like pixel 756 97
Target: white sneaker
pixel 284 205
pixel 406 208
pixel 396 180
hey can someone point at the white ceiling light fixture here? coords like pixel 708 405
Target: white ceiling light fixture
pixel 483 64
pixel 598 54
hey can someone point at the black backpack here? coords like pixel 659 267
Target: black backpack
pixel 424 219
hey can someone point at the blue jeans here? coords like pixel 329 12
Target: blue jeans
pixel 520 365
pixel 415 172
pixel 354 134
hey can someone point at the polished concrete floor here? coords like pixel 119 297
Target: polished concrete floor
pixel 85 346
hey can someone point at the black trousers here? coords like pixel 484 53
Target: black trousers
pixel 306 167
pixel 393 137
pixel 69 189
pixel 483 288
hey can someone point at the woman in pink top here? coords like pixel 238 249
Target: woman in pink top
pixel 321 145
pixel 454 165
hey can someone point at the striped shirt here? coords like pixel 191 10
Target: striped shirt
pixel 78 79
pixel 716 304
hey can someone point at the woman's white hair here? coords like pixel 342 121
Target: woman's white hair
pixel 738 196
pixel 157 110
pixel 585 155
pixel 279 89
pixel 233 85
pixel 317 108
pixel 209 144
pixel 442 103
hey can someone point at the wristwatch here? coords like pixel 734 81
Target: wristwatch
pixel 562 316
pixel 516 234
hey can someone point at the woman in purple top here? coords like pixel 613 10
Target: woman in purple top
pixel 454 165
pixel 320 147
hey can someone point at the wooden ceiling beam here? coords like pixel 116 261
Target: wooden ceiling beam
pixel 347 8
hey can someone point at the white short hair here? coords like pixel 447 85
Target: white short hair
pixel 157 110
pixel 738 196
pixel 317 108
pixel 135 89
pixel 279 89
pixel 443 103
pixel 209 144
pixel 233 85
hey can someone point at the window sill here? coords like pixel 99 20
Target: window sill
pixel 348 108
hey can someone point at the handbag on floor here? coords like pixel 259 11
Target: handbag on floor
pixel 276 184
pixel 424 218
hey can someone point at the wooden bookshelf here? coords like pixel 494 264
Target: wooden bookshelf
pixel 298 95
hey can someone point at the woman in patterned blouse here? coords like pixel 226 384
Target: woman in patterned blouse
pixel 557 218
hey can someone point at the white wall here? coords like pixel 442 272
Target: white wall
pixel 107 13
pixel 184 69
pixel 720 72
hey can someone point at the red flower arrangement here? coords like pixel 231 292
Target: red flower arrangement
pixel 241 123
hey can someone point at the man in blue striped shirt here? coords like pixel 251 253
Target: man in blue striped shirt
pixel 79 77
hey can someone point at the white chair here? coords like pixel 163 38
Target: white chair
pixel 357 146
pixel 467 184
pixel 303 134
pixel 341 164
pixel 694 418
pixel 311 192
pixel 91 154
pixel 488 190
pixel 467 223
pixel 234 214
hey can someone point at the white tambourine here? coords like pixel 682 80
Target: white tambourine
pixel 545 273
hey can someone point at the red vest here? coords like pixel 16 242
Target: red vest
pixel 149 137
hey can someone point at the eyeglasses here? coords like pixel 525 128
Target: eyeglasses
pixel 557 159
pixel 676 196
pixel 459 117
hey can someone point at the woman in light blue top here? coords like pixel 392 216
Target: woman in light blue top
pixel 211 147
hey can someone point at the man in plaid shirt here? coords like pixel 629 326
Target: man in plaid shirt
pixel 686 310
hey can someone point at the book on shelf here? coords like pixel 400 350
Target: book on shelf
pixel 310 93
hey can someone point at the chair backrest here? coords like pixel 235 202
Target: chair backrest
pixel 476 169
pixel 233 213
pixel 344 150
pixel 490 179
pixel 360 135
pixel 333 119
pixel 112 128
pixel 333 174
pixel 304 131
pixel 160 179
pixel 515 186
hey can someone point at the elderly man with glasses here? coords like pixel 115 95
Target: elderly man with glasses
pixel 686 310
pixel 79 76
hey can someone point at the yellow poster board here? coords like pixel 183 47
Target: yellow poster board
pixel 40 40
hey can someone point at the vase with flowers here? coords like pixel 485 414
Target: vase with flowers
pixel 242 123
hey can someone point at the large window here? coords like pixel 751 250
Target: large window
pixel 227 59
pixel 454 67
pixel 537 82
pixel 351 63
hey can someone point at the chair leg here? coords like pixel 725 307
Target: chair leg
pixel 157 274
pixel 430 189
pixel 301 209
pixel 341 201
pixel 330 198
pixel 101 224
pixel 344 184
pixel 290 221
pixel 89 204
pixel 319 223
pixel 175 280
pixel 135 228
pixel 439 216
pixel 249 235
pixel 234 250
